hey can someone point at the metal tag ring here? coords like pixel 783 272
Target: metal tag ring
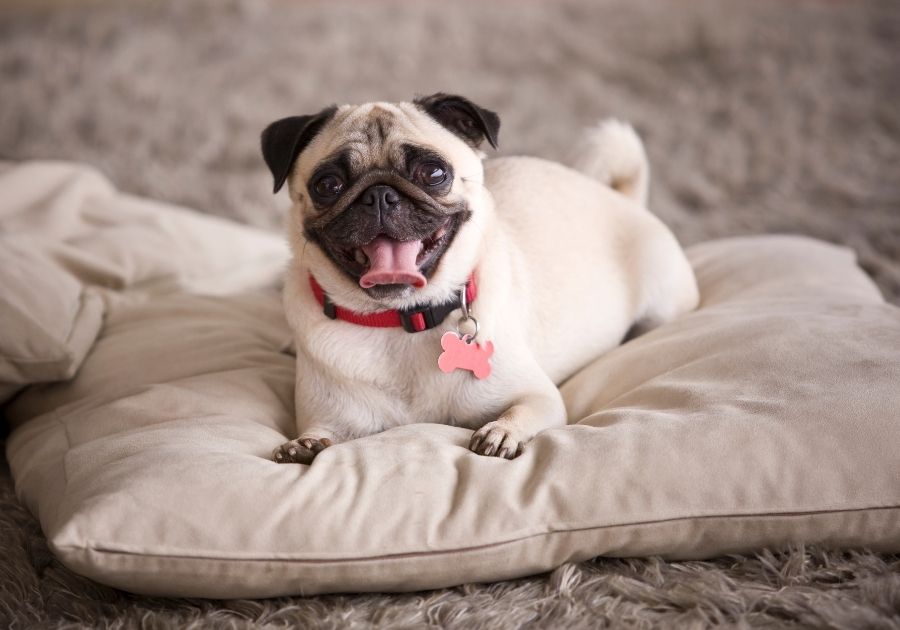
pixel 463 303
pixel 468 338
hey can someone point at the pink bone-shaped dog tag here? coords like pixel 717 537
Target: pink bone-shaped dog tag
pixel 465 355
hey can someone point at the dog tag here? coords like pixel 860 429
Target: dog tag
pixel 460 352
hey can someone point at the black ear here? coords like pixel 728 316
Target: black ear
pixel 284 139
pixel 467 120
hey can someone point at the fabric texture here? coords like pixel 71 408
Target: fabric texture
pixel 49 321
pixel 70 243
pixel 766 417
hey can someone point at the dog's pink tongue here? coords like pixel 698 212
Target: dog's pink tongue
pixel 392 262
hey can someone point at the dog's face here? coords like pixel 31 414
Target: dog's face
pixel 386 196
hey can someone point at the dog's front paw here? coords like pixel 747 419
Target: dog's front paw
pixel 300 451
pixel 497 439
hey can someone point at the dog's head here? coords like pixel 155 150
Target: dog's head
pixel 387 198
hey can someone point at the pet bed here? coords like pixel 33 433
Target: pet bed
pixel 143 365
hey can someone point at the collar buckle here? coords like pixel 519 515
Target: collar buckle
pixel 328 307
pixel 419 319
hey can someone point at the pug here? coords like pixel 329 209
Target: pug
pixel 428 284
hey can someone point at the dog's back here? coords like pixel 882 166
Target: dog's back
pixel 580 247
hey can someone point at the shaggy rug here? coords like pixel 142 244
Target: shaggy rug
pixel 758 117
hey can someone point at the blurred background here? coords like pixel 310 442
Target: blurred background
pixel 759 116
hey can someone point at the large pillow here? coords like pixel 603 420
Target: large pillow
pixel 49 319
pixel 69 243
pixel 768 416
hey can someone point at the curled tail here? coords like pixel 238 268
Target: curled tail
pixel 613 153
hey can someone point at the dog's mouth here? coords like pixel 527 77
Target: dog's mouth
pixel 385 263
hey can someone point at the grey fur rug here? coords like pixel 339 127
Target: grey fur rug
pixel 759 117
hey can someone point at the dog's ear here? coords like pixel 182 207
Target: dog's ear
pixel 284 139
pixel 467 120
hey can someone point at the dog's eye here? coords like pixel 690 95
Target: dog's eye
pixel 431 174
pixel 329 186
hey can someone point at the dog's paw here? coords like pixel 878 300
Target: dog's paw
pixel 300 451
pixel 497 439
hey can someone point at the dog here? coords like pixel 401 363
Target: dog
pixel 406 241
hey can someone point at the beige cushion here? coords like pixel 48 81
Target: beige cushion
pixel 69 243
pixel 49 320
pixel 768 416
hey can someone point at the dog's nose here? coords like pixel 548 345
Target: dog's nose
pixel 380 197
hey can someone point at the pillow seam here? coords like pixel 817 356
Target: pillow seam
pixel 456 550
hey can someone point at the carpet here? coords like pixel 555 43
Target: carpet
pixel 758 117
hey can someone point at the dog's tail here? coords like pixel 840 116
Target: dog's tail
pixel 613 153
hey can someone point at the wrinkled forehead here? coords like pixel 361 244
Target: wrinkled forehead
pixel 376 135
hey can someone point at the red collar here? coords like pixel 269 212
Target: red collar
pixel 416 319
